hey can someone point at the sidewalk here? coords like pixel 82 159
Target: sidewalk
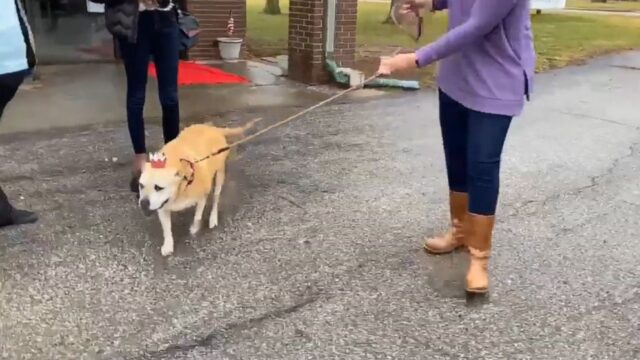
pixel 319 253
pixel 91 94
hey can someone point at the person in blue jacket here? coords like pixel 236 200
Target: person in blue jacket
pixel 17 60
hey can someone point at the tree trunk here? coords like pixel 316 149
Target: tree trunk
pixel 272 7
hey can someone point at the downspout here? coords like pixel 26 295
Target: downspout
pixel 350 77
pixel 330 30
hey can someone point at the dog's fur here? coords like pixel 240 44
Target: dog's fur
pixel 166 190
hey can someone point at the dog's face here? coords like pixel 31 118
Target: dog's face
pixel 158 186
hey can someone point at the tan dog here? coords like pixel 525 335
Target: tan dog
pixel 181 176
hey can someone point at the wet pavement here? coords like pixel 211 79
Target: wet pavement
pixel 319 255
pixel 90 94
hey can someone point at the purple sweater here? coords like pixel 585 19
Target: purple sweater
pixel 488 59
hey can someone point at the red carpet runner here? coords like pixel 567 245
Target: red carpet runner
pixel 190 73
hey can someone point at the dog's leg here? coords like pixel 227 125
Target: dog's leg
pixel 213 217
pixel 165 221
pixel 197 219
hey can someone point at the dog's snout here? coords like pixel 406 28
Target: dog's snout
pixel 145 204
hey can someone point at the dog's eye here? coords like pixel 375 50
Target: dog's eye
pixel 158 188
pixel 141 186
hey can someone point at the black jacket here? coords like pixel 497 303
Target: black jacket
pixel 122 17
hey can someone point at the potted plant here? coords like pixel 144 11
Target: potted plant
pixel 230 46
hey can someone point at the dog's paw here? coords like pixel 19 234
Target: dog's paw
pixel 213 222
pixel 195 227
pixel 166 250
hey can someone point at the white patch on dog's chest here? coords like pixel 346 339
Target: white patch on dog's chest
pixel 181 204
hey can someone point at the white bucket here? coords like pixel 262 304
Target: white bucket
pixel 229 48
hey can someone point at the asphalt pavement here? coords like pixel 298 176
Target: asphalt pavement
pixel 319 253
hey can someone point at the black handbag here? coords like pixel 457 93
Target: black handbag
pixel 189 30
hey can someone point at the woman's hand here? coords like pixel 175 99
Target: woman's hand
pixel 389 65
pixel 149 3
pixel 416 6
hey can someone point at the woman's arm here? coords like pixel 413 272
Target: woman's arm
pixel 485 15
pixel 439 5
pixel 108 2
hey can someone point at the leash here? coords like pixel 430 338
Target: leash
pixel 291 118
pixel 189 180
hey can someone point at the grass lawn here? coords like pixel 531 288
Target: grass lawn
pixel 560 40
pixel 610 5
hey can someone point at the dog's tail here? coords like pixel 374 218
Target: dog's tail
pixel 238 130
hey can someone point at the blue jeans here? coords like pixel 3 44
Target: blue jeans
pixel 158 38
pixel 473 143
pixel 9 84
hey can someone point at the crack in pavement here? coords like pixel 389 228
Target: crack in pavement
pixel 626 67
pixel 591 117
pixel 16 178
pixel 216 338
pixel 630 203
pixel 594 181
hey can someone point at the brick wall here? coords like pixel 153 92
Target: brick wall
pixel 213 16
pixel 306 33
pixel 346 20
pixel 306 19
pixel 306 38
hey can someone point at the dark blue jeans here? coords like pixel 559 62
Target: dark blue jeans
pixel 473 143
pixel 157 38
pixel 9 84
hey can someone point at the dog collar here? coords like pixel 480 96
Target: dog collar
pixel 189 179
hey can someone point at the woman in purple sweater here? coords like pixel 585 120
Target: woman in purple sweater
pixel 484 77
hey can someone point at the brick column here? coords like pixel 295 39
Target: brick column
pixel 213 16
pixel 307 37
pixel 306 41
pixel 346 21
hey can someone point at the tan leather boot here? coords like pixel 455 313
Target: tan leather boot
pixel 454 238
pixel 478 239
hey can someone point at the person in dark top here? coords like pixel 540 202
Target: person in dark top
pixel 146 29
pixel 17 60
